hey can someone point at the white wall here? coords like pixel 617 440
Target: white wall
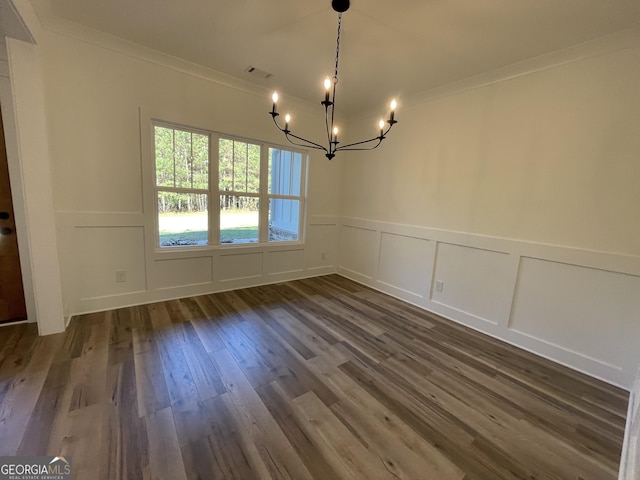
pixel 101 94
pixel 519 191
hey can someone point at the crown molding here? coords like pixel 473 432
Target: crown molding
pixel 600 46
pixel 582 51
pixel 139 52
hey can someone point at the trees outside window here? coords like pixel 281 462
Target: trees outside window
pixel 258 187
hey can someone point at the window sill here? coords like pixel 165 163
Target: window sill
pixel 225 249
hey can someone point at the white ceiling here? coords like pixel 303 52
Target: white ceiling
pixel 389 48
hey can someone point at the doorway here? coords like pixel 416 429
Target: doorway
pixel 12 303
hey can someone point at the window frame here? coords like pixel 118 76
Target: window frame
pixel 214 192
pixel 281 196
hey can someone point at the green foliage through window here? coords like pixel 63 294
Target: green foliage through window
pixel 182 159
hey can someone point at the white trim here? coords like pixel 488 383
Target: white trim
pixel 630 459
pixel 17 194
pixel 600 259
pixel 34 159
pixel 499 327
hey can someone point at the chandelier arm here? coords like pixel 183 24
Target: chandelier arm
pixel 379 138
pixel 351 145
pixel 273 117
pixel 349 149
pixel 287 134
pixel 308 143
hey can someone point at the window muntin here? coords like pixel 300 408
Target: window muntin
pixel 259 189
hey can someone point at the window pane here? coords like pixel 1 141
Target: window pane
pixel 285 172
pixel 239 167
pixel 240 171
pixel 225 164
pixel 182 219
pixel 253 169
pixel 182 158
pixel 284 220
pixel 239 219
pixel 164 157
pixel 200 162
pixel 296 173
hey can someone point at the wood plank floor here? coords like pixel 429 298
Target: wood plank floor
pixel 313 379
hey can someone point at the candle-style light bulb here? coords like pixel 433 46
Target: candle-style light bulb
pixel 274 97
pixel 393 105
pixel 381 125
pixel 287 118
pixel 327 88
pixel 335 134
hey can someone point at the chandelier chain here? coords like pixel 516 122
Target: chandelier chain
pixel 335 75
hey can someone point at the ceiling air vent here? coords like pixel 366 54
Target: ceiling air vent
pixel 256 72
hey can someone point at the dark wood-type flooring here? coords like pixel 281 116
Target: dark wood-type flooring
pixel 320 378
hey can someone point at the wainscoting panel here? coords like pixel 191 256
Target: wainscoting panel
pixel 359 249
pixel 283 261
pixel 183 272
pixel 580 309
pixel 100 249
pixel 102 252
pixel 474 281
pixel 321 245
pixel 237 266
pixel 405 263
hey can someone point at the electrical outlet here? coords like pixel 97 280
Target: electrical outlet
pixel 323 255
pixel 121 276
pixel 439 285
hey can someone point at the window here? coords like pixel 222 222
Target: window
pixel 285 176
pixel 182 186
pixel 259 189
pixel 239 190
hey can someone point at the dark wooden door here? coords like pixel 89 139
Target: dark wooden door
pixel 12 306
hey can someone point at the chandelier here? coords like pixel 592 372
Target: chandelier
pixel 329 102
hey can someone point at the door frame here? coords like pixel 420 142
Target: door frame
pixel 19 211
